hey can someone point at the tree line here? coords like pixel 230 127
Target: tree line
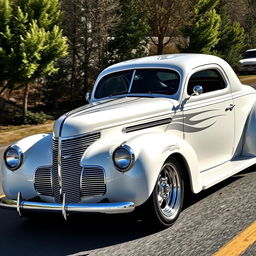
pixel 63 45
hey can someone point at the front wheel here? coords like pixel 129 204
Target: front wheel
pixel 166 201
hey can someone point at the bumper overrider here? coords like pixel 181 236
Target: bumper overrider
pixel 66 208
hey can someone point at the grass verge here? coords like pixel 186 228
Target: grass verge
pixel 248 79
pixel 13 133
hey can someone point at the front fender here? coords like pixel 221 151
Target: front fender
pixel 37 151
pixel 151 151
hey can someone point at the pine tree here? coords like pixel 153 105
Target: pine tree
pixel 250 25
pixel 130 35
pixel 232 38
pixel 203 32
pixel 31 41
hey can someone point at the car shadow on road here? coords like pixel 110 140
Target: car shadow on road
pixel 51 235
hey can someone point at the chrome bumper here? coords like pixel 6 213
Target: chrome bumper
pixel 65 208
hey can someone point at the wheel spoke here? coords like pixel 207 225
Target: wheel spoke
pixel 160 200
pixel 168 190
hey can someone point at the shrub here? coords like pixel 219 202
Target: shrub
pixel 31 118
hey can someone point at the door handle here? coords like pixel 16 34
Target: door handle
pixel 230 107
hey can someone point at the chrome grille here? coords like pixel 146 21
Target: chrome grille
pixel 93 181
pixel 43 181
pixel 70 154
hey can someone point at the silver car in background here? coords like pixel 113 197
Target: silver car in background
pixel 248 63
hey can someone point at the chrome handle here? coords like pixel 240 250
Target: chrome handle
pixel 230 107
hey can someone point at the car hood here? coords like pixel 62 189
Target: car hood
pixel 110 113
pixel 248 61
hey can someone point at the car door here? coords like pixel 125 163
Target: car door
pixel 209 117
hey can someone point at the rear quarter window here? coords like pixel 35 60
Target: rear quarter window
pixel 210 79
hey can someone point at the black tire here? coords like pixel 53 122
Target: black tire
pixel 166 201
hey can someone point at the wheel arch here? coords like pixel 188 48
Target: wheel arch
pixel 162 146
pixel 249 146
pixel 186 174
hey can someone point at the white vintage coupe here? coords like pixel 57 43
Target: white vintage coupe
pixel 154 127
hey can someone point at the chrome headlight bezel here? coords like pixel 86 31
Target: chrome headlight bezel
pixel 17 156
pixel 123 158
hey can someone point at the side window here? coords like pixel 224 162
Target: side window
pixel 210 79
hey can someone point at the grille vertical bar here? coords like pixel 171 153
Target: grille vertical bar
pixel 56 187
pixel 71 153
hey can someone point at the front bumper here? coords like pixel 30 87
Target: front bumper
pixel 66 208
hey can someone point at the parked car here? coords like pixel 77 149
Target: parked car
pixel 154 127
pixel 248 63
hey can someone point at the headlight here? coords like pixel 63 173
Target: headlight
pixel 123 158
pixel 13 157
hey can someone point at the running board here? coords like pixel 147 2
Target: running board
pixel 226 170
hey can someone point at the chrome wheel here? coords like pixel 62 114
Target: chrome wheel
pixel 169 191
pixel 166 201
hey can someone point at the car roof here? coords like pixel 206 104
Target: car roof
pixel 184 61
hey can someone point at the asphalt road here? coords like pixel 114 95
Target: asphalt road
pixel 208 222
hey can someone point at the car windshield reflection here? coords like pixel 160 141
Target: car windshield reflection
pixel 140 81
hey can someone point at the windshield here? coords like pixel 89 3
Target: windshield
pixel 145 81
pixel 250 54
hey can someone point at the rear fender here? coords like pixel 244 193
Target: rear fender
pixel 249 146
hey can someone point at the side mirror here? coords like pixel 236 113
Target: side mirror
pixel 88 96
pixel 197 90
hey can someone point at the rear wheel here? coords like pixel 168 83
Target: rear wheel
pixel 166 201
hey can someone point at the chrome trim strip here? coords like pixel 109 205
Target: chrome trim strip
pixel 59 166
pixel 76 136
pixel 108 208
pixel 146 125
